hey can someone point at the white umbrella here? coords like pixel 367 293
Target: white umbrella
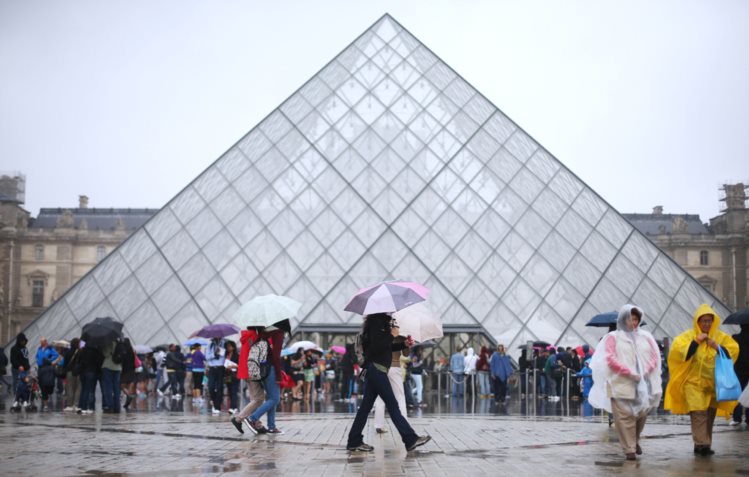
pixel 419 322
pixel 142 349
pixel 305 345
pixel 266 310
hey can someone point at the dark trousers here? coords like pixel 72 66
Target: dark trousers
pixel 378 384
pixel 233 389
pixel 500 389
pixel 216 385
pixel 110 389
pixel 88 390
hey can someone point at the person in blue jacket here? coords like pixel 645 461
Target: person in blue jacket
pixel 586 374
pixel 500 369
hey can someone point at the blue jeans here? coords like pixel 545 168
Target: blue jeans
pixel 272 396
pixel 88 390
pixel 458 382
pixel 484 386
pixel 110 389
pixel 378 384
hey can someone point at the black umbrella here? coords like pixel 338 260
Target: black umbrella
pixel 101 331
pixel 537 345
pixel 740 317
pixel 607 319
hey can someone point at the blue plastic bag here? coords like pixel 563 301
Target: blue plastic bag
pixel 727 386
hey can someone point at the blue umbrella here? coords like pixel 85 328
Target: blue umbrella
pixel 193 341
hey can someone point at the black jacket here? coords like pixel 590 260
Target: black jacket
pixel 19 354
pixel 378 342
pixel 91 359
pixel 741 366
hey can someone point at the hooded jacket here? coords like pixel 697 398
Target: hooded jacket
pixel 500 366
pixel 470 361
pixel 246 338
pixel 19 354
pixel 692 383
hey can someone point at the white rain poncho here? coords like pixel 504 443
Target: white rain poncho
pixel 609 373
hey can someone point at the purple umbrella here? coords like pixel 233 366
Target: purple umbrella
pixel 216 330
pixel 386 297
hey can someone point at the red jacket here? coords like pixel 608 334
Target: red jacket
pixel 247 338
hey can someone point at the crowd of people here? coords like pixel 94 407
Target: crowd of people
pixel 627 375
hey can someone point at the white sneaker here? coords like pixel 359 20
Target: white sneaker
pixel 15 403
pixel 734 423
pixel 215 412
pixel 68 409
pixel 87 411
pixel 160 392
pixel 177 396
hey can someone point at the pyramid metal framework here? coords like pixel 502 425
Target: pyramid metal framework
pixel 386 164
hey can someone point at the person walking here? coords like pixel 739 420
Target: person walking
pixel 257 394
pixel 741 366
pixel 378 332
pixel 501 369
pixel 627 378
pixel 271 383
pixel 691 387
pixel 395 376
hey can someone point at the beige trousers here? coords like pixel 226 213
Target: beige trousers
pixel 72 390
pixel 702 426
pixel 257 397
pixel 628 426
pixel 395 376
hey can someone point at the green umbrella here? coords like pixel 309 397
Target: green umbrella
pixel 266 310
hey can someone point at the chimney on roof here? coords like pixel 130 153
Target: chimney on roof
pixel 83 202
pixel 658 210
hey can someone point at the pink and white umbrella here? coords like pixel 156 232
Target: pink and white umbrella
pixel 386 297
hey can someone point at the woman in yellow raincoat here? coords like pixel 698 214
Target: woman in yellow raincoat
pixel 691 389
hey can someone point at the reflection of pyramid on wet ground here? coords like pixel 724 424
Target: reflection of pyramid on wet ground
pixel 386 164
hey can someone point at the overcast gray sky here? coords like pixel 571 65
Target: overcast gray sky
pixel 128 101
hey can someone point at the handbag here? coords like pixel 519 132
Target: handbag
pixel 727 386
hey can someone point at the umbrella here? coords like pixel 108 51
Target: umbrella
pixel 603 320
pixel 194 341
pixel 418 322
pixel 607 319
pixel 101 331
pixel 142 349
pixel 266 310
pixel 338 349
pixel 291 349
pixel 63 343
pixel 386 297
pixel 537 345
pixel 738 318
pixel 216 330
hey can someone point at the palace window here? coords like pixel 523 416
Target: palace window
pixel 37 293
pixel 703 257
pixel 101 252
pixel 39 252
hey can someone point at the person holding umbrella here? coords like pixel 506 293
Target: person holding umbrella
pixel 378 333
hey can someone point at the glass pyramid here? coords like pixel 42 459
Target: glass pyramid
pixel 386 164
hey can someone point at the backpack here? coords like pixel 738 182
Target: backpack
pixel 119 352
pixel 258 365
pixel 359 349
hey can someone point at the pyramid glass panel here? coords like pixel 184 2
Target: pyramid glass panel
pixel 386 164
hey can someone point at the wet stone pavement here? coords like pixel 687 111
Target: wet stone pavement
pixel 167 438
